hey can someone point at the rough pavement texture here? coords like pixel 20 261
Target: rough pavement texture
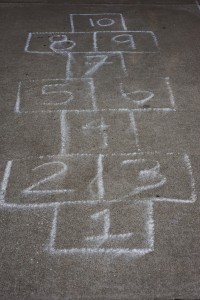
pixel 99 151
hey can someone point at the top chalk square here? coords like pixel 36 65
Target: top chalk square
pixel 97 22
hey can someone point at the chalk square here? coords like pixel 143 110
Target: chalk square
pixel 55 95
pixel 79 229
pixel 59 42
pixel 101 132
pixel 97 22
pixel 149 177
pixel 136 93
pixel 49 180
pixel 129 41
pixel 93 65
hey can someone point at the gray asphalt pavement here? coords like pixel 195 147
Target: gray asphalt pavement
pixel 99 150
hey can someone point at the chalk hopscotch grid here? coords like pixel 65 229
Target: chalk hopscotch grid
pixel 65 135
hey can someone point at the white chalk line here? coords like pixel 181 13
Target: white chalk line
pixel 68 74
pixel 134 129
pixel 28 42
pixel 92 52
pixel 123 64
pixel 5 180
pixel 18 100
pixel 111 251
pixel 71 22
pixel 100 177
pixel 171 95
pixel 150 226
pixel 123 22
pixel 193 184
pixel 65 133
pixel 53 229
pixel 95 47
pixel 101 110
pixel 93 94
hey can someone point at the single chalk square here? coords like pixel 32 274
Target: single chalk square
pixel 97 22
pixel 50 180
pixel 59 42
pixel 129 41
pixel 150 176
pixel 136 93
pixel 100 132
pixel 95 65
pixel 55 95
pixel 120 229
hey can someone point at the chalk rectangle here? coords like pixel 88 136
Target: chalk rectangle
pixel 59 42
pixel 127 42
pixel 49 180
pixel 101 132
pixel 117 230
pixel 97 22
pixel 136 93
pixel 96 65
pixel 55 95
pixel 111 179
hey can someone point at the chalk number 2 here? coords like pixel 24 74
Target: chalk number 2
pixel 36 188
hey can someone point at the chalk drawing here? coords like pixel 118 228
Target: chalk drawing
pixel 17 104
pixel 146 176
pixel 95 62
pixel 98 180
pixel 138 179
pixel 104 217
pixel 94 22
pixel 63 170
pixel 57 89
pixel 5 180
pixel 61 46
pixel 65 133
pixel 132 96
pixel 119 39
pixel 99 42
pixel 100 244
pixel 101 127
pixel 55 95
pixel 126 42
pixel 141 171
pixel 134 129
pixel 171 95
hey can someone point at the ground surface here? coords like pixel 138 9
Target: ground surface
pixel 99 152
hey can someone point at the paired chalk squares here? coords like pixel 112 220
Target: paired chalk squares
pixel 135 93
pixel 55 95
pixel 97 22
pixel 92 179
pixel 126 229
pixel 86 42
